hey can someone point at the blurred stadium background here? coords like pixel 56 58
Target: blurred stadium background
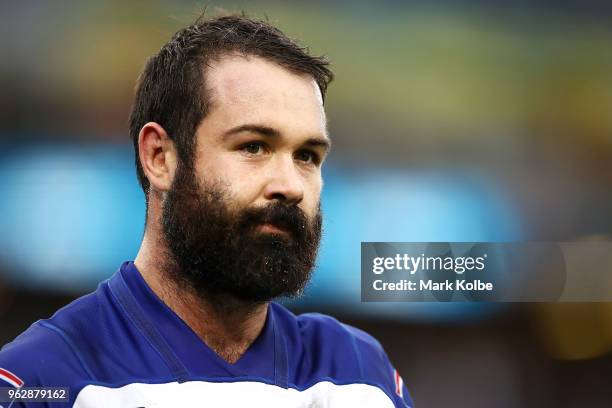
pixel 454 121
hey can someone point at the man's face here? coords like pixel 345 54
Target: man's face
pixel 265 135
pixel 245 219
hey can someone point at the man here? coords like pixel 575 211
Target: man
pixel 230 135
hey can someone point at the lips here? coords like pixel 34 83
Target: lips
pixel 274 228
pixel 276 220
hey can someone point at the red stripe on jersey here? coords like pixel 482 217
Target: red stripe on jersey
pixel 10 378
pixel 398 383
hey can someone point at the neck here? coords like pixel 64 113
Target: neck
pixel 227 325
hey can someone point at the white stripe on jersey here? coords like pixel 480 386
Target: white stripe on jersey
pixel 232 394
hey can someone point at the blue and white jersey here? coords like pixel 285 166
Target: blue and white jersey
pixel 122 347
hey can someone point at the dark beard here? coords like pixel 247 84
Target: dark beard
pixel 218 252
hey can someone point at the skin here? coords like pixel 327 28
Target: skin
pixel 264 139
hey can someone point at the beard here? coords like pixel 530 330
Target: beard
pixel 217 251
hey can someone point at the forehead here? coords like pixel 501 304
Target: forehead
pixel 252 89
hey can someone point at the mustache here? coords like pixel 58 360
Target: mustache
pixel 290 218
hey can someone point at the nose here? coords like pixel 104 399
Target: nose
pixel 286 184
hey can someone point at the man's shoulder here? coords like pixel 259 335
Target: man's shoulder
pixel 329 328
pixel 41 356
pixel 339 343
pixel 326 349
pixel 50 351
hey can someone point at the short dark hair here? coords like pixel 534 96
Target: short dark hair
pixel 166 94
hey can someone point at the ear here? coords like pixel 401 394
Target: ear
pixel 157 156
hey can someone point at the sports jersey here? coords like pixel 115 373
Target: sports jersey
pixel 122 347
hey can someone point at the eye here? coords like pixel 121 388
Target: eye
pixel 253 148
pixel 307 156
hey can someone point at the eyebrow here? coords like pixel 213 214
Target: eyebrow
pixel 267 131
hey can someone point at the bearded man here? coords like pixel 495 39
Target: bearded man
pixel 230 135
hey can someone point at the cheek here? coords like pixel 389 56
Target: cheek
pixel 312 196
pixel 242 185
pixel 245 190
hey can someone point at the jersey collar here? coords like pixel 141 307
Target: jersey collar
pixel 265 358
